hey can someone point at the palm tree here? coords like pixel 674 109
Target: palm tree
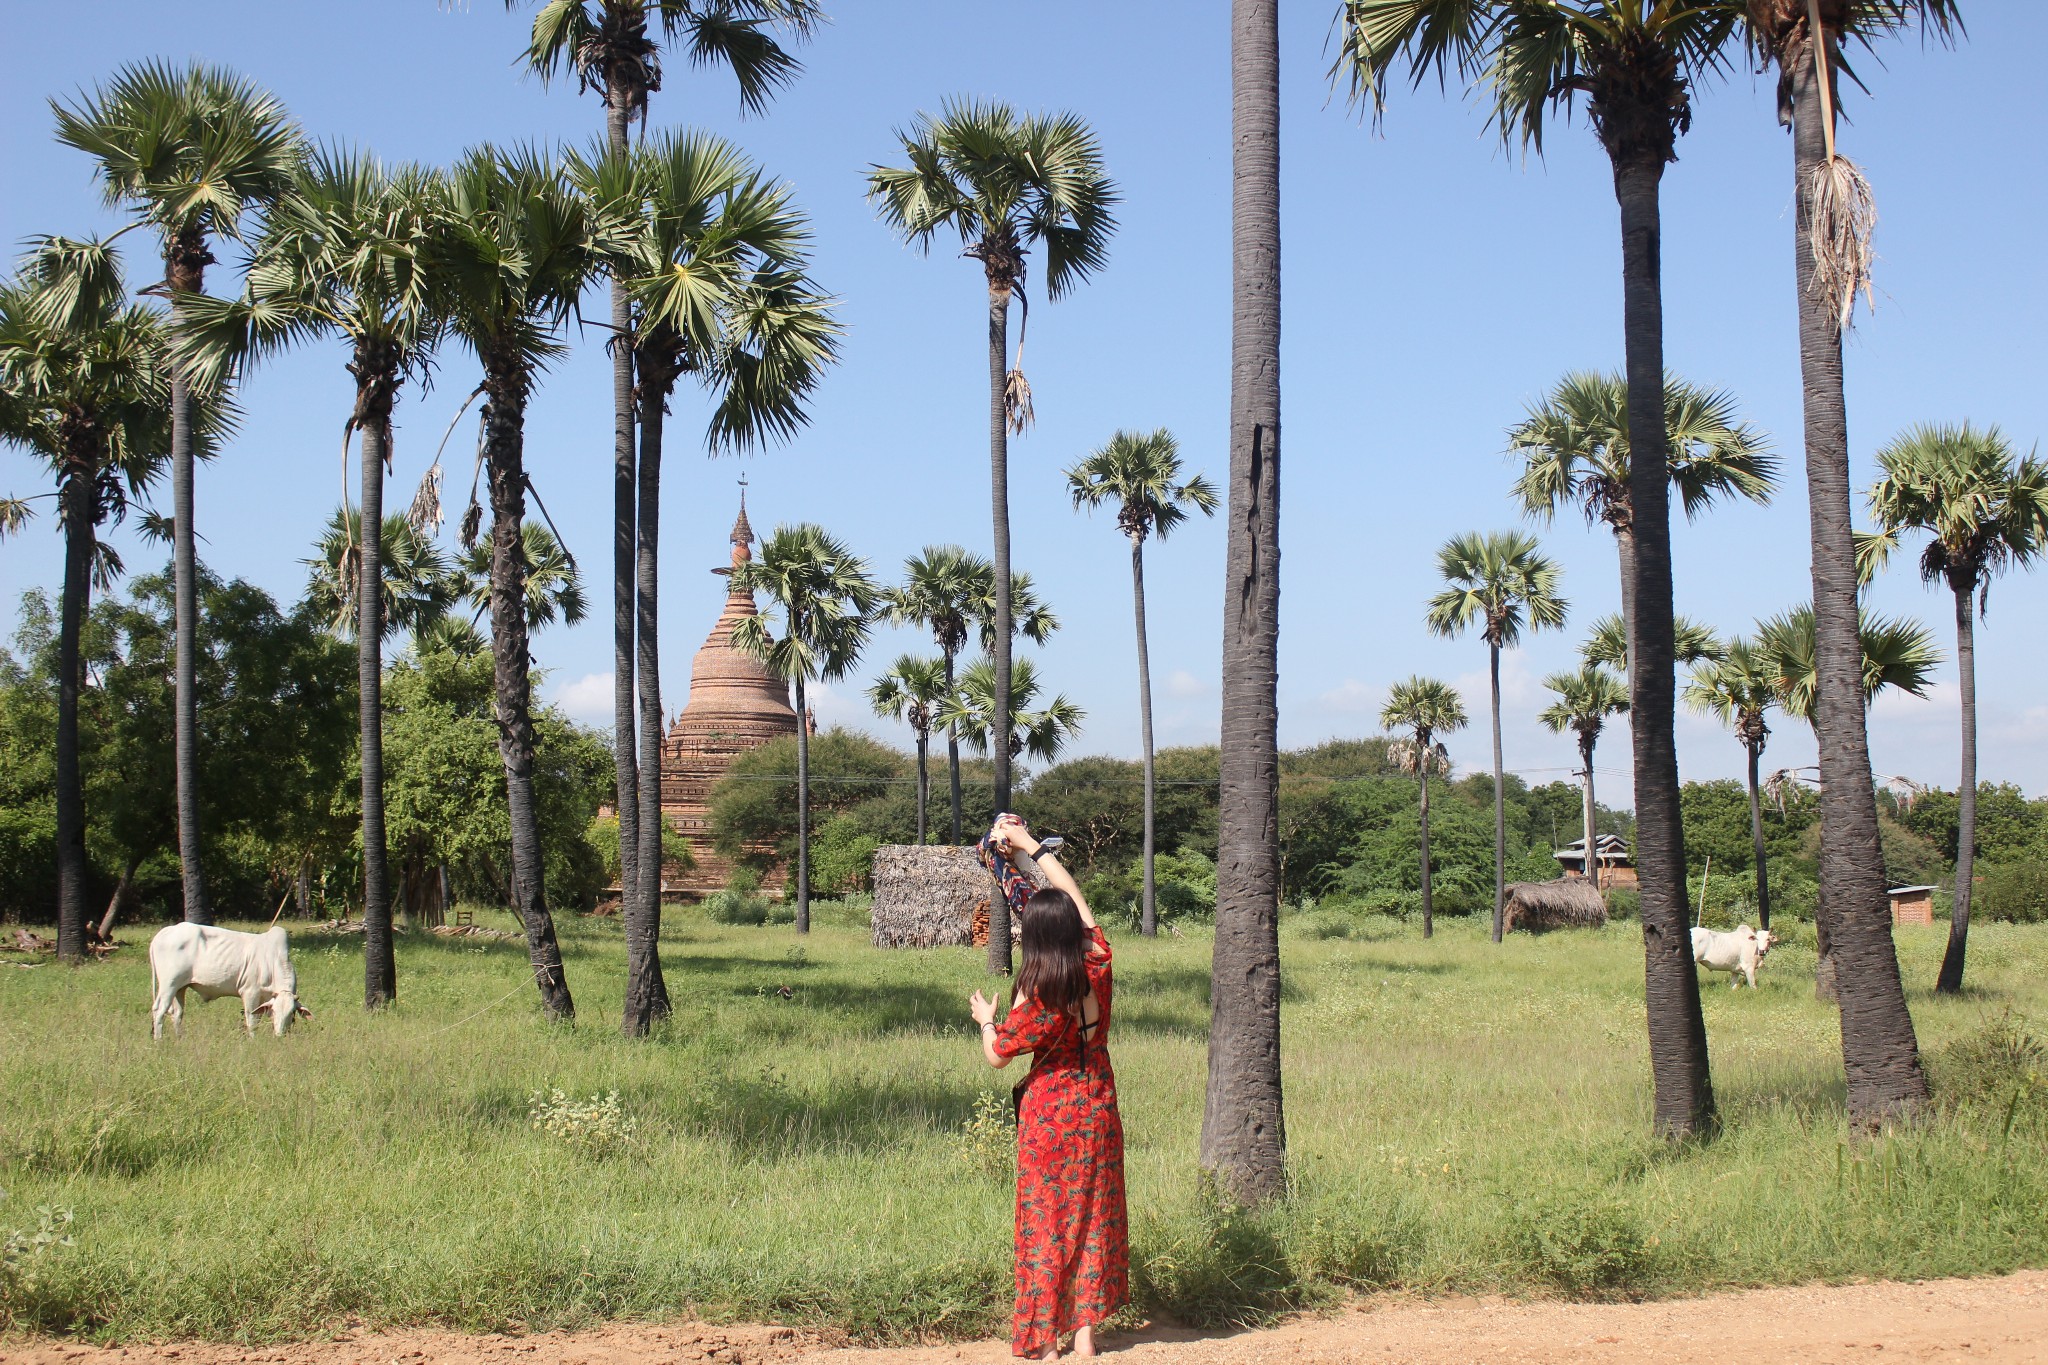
pixel 192 152
pixel 1005 183
pixel 712 260
pixel 1503 581
pixel 347 250
pixel 1142 475
pixel 1737 688
pixel 1830 251
pixel 606 43
pixel 551 586
pixel 517 253
pixel 420 582
pixel 1607 642
pixel 912 691
pixel 1029 617
pixel 1039 732
pixel 1892 653
pixel 86 374
pixel 940 591
pixel 1575 451
pixel 1244 1124
pixel 1635 63
pixel 1983 510
pixel 826 598
pixel 1425 708
pixel 1585 700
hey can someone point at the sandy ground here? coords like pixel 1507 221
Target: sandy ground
pixel 2003 1320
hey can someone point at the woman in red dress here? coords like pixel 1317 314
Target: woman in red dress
pixel 1073 1241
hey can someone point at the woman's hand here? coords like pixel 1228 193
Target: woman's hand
pixel 982 1008
pixel 1011 834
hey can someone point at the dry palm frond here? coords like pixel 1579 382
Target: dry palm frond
pixel 14 514
pixel 472 521
pixel 348 568
pixel 426 514
pixel 1844 213
pixel 1017 402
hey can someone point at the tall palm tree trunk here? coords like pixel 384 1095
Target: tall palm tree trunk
pixel 953 762
pixel 77 497
pixel 1756 841
pixel 999 497
pixel 505 455
pixel 625 763
pixel 185 272
pixel 380 963
pixel 646 990
pixel 1880 1054
pixel 924 782
pixel 1500 809
pixel 803 811
pixel 1591 865
pixel 1428 898
pixel 1148 913
pixel 1684 1092
pixel 1625 548
pixel 1950 982
pixel 1244 1131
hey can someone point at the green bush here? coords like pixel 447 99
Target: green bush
pixel 741 902
pixel 1584 1241
pixel 2001 1067
pixel 1222 1267
pixel 2016 893
pixel 843 857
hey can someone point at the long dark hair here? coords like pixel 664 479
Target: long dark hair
pixel 1054 971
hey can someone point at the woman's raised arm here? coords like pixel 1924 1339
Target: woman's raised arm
pixel 1020 838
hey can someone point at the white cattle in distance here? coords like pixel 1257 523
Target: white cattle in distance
pixel 214 962
pixel 1741 949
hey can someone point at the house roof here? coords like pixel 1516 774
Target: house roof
pixel 1906 890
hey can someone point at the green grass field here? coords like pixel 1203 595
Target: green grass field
pixel 1460 1116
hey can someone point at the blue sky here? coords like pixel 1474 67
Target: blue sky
pixel 1435 284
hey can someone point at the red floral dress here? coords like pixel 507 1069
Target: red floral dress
pixel 1073 1239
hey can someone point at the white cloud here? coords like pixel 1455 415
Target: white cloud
pixel 1181 683
pixel 1350 696
pixel 587 700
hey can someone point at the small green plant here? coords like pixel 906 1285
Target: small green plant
pixel 988 1141
pixel 596 1127
pixel 25 1252
pixel 2001 1067
pixel 1223 1267
pixel 742 902
pixel 1584 1241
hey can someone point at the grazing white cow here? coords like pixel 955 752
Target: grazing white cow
pixel 215 962
pixel 1741 949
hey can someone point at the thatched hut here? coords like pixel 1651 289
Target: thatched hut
pixel 931 896
pixel 1567 903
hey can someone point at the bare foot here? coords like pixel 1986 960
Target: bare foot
pixel 1084 1341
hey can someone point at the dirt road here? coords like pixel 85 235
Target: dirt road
pixel 2001 1320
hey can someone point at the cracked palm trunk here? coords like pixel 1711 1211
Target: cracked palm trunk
pixel 1589 866
pixel 1428 904
pixel 1148 915
pixel 1756 841
pixel 953 755
pixel 999 948
pixel 924 782
pixel 77 501
pixel 1950 981
pixel 380 963
pixel 647 997
pixel 505 457
pixel 1500 818
pixel 803 810
pixel 185 272
pixel 1684 1093
pixel 1244 1133
pixel 625 763
pixel 1880 1053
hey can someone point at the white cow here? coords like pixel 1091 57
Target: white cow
pixel 216 962
pixel 1741 949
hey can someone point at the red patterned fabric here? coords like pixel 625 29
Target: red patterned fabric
pixel 1073 1238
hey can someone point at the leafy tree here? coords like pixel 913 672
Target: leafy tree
pixel 1042 732
pixel 1634 65
pixel 86 374
pixel 912 691
pixel 1607 642
pixel 1585 700
pixel 2010 828
pixel 1737 689
pixel 753 809
pixel 825 599
pixel 1005 183
pixel 1142 475
pixel 348 250
pixel 517 255
pixel 192 153
pixel 1425 708
pixel 713 261
pixel 607 44
pixel 1832 214
pixel 1096 804
pixel 1983 510
pixel 420 581
pixel 940 592
pixel 551 586
pixel 1502 581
